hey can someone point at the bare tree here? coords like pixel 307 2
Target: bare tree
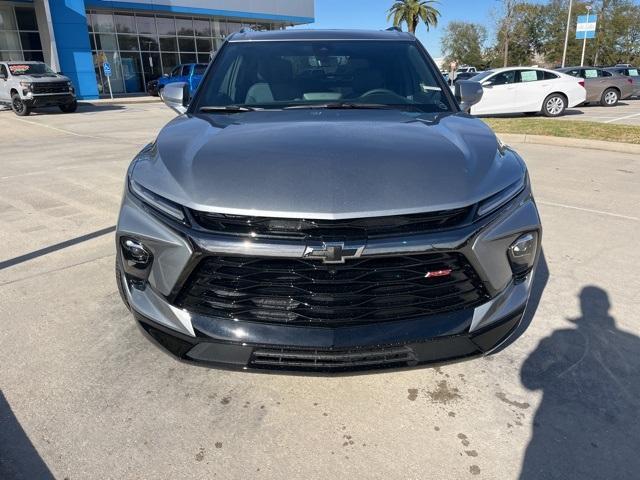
pixel 506 23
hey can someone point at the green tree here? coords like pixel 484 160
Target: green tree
pixel 463 42
pixel 524 31
pixel 412 12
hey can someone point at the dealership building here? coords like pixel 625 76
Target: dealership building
pixel 141 40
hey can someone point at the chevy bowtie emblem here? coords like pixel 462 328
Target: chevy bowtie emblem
pixel 334 252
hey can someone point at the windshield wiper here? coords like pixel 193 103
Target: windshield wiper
pixel 228 108
pixel 351 105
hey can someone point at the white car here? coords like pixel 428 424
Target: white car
pixel 528 90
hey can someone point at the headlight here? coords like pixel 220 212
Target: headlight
pixel 26 85
pixel 157 202
pixel 502 197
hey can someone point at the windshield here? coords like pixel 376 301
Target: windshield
pixel 481 76
pixel 311 74
pixel 30 69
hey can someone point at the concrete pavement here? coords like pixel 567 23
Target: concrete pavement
pixel 84 396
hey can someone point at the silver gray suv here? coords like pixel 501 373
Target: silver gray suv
pixel 28 85
pixel 324 204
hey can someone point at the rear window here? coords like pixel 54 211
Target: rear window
pixel 633 72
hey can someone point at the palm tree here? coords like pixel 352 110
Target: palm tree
pixel 412 11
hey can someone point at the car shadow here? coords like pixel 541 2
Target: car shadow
pixel 82 107
pixel 19 460
pixel 588 424
pixel 597 104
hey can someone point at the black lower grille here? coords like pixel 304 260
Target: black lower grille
pixel 302 291
pixel 329 360
pixel 50 87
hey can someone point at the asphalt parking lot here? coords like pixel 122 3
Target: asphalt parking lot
pixel 627 112
pixel 83 395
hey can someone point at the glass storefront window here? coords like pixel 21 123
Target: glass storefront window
pixel 103 22
pixel 202 28
pixel 9 41
pixel 203 44
pixel 26 17
pixel 30 41
pixel 146 24
pixel 184 26
pixel 125 23
pixel 186 44
pixel 166 25
pixel 169 44
pixel 128 42
pixel 169 61
pixel 11 56
pixel 188 58
pixel 106 41
pixel 148 43
pixel 7 20
pixel 34 56
pixel 132 72
pixel 142 47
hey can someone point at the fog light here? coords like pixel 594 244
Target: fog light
pixel 135 253
pixel 522 254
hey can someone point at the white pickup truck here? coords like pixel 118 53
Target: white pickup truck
pixel 28 85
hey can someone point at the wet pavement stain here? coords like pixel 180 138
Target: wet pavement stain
pixel 443 394
pixel 471 453
pixel 463 438
pixel 200 455
pixel 513 403
pixel 225 400
pixel 474 469
pixel 218 444
pixel 413 394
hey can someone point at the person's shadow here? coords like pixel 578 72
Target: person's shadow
pixel 588 423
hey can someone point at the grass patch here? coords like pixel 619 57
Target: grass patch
pixel 566 128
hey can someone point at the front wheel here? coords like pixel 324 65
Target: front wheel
pixel 69 107
pixel 554 105
pixel 609 97
pixel 19 106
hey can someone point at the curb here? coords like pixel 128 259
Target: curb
pixel 570 142
pixel 120 101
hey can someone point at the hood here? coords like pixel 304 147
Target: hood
pixel 43 78
pixel 326 164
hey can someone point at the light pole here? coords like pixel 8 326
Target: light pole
pixel 584 40
pixel 566 36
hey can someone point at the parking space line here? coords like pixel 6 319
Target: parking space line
pixel 62 130
pixel 590 210
pixel 623 118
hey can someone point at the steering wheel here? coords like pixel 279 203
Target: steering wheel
pixel 383 91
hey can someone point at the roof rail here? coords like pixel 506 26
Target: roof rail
pixel 245 30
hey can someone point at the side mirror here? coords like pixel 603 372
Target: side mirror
pixel 468 93
pixel 3 76
pixel 176 96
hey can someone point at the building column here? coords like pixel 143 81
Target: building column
pixel 70 35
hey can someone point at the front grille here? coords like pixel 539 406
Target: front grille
pixel 51 87
pixel 331 229
pixel 330 360
pixel 302 291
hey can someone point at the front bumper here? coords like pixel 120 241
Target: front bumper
pixel 50 100
pixel 262 346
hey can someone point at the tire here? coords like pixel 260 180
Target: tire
pixel 609 97
pixel 19 106
pixel 119 280
pixel 69 107
pixel 554 105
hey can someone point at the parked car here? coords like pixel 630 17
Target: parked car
pixel 602 86
pixel 628 71
pixel 314 209
pixel 190 73
pixel 527 90
pixel 465 76
pixel 466 69
pixel 28 85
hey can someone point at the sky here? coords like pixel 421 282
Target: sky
pixel 372 14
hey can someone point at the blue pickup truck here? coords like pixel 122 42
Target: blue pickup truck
pixel 190 73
